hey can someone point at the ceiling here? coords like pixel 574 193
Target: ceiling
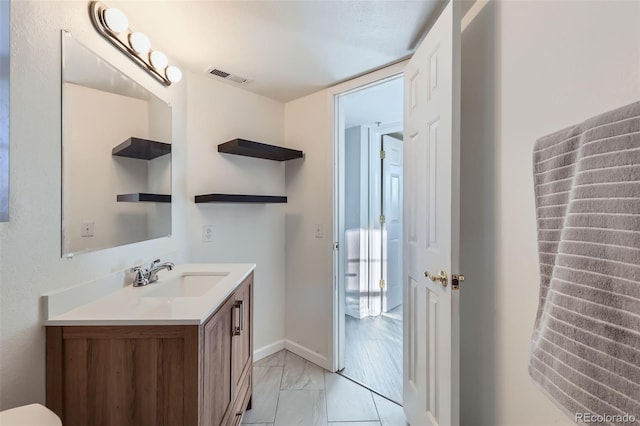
pixel 381 103
pixel 287 49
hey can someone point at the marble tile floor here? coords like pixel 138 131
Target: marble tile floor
pixel 290 391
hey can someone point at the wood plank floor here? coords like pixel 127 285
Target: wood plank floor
pixel 373 353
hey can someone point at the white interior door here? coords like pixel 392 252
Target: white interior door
pixel 375 226
pixel 392 211
pixel 431 225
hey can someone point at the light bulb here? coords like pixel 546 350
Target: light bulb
pixel 115 20
pixel 173 74
pixel 139 42
pixel 158 60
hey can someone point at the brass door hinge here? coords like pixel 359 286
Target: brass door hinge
pixel 383 284
pixel 383 154
pixel 383 219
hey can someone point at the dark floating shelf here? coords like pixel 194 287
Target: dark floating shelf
pixel 236 198
pixel 259 150
pixel 143 197
pixel 143 149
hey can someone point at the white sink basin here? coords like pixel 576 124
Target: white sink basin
pixel 187 285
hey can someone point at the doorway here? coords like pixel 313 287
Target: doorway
pixel 369 219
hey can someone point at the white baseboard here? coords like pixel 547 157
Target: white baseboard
pixel 307 354
pixel 267 350
pixel 294 347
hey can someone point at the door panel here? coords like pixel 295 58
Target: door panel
pixel 431 195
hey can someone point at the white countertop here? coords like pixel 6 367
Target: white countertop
pixel 138 306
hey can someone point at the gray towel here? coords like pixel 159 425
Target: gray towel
pixel 585 348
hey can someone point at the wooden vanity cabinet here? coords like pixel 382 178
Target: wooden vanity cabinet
pixel 155 375
pixel 228 359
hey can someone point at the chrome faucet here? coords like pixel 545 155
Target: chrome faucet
pixel 156 266
pixel 149 275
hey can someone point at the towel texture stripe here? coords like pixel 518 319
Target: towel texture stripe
pixel 631 124
pixel 585 348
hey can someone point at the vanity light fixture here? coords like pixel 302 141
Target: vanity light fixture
pixel 113 25
pixel 174 74
pixel 115 20
pixel 139 42
pixel 159 60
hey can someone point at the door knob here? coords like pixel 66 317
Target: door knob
pixel 442 278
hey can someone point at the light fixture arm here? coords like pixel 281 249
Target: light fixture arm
pixel 121 40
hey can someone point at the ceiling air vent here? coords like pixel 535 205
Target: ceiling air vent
pixel 219 73
pixel 227 76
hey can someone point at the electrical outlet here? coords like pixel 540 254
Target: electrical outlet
pixel 319 231
pixel 86 229
pixel 207 233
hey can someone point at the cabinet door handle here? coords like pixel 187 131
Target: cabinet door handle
pixel 241 314
pixel 237 317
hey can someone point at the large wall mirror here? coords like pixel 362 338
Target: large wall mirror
pixel 116 155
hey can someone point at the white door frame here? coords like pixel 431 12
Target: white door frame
pixel 380 76
pixel 336 353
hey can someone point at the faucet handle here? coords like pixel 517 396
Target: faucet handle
pixel 154 263
pixel 137 268
pixel 140 278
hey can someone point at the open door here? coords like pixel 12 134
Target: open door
pixel 431 225
pixel 392 230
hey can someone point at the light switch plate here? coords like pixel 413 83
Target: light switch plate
pixel 319 230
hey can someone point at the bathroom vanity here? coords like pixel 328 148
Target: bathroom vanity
pixel 176 352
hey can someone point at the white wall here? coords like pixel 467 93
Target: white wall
pixel 355 145
pixel 478 222
pixel 5 11
pixel 30 251
pixel 356 211
pixel 309 184
pixel 529 68
pixel 159 169
pixel 251 233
